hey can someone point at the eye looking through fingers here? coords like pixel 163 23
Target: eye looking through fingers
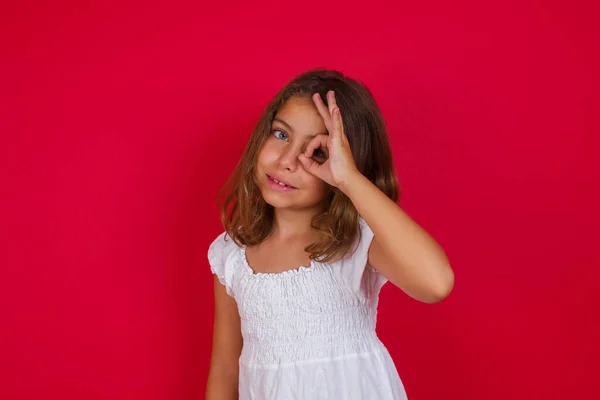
pixel 320 155
pixel 317 148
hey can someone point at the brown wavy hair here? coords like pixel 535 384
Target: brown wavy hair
pixel 248 219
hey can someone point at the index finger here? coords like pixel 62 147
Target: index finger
pixel 331 102
pixel 323 111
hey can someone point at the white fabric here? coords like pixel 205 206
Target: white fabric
pixel 309 333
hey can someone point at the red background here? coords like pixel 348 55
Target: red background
pixel 120 121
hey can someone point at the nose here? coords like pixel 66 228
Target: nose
pixel 288 158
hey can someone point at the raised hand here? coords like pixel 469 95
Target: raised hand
pixel 339 166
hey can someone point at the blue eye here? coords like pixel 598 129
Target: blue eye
pixel 279 134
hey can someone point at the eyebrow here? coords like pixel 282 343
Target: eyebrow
pixel 289 127
pixel 282 122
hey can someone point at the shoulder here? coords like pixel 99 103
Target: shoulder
pixel 220 241
pixel 361 242
pixel 362 224
pixel 364 275
pixel 224 260
pixel 355 268
pixel 365 232
pixel 221 248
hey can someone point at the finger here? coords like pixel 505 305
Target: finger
pixel 309 165
pixel 338 123
pixel 331 101
pixel 323 111
pixel 319 141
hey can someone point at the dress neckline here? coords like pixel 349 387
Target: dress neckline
pixel 294 271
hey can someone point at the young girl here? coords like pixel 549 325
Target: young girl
pixel 312 233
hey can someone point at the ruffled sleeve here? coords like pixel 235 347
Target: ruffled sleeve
pixel 219 253
pixel 362 276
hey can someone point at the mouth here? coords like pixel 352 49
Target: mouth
pixel 279 183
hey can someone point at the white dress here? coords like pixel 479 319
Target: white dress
pixel 309 333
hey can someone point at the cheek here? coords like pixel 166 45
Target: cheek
pixel 268 154
pixel 320 188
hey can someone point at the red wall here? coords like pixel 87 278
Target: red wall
pixel 120 121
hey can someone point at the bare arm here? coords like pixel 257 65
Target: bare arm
pixel 227 346
pixel 401 250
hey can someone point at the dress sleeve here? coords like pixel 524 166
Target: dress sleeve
pixel 220 264
pixel 363 277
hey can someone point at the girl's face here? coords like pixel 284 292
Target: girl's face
pixel 282 180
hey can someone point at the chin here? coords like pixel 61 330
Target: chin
pixel 278 201
pixel 285 201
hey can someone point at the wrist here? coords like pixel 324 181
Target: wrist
pixel 351 182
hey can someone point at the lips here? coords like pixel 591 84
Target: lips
pixel 280 181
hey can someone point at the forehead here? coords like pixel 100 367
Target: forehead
pixel 302 115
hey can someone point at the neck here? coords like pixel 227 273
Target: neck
pixel 292 223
